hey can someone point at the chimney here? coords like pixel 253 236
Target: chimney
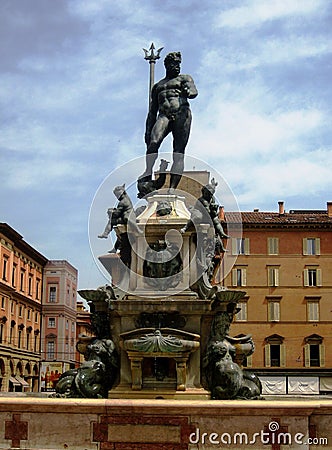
pixel 329 209
pixel 221 214
pixel 256 210
pixel 281 208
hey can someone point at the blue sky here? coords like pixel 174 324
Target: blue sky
pixel 73 95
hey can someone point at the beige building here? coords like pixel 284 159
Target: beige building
pixel 21 280
pixel 83 327
pixel 283 261
pixel 59 321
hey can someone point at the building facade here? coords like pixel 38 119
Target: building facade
pixel 59 321
pixel 83 327
pixel 283 261
pixel 21 281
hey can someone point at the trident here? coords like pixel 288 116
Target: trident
pixel 152 58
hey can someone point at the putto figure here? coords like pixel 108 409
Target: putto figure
pixel 122 214
pixel 169 113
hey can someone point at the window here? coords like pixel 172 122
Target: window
pixel 19 338
pixel 11 331
pixel 35 343
pixel 273 276
pixel 312 277
pixel 314 351
pixel 14 275
pixel 4 268
pixel 51 322
pixel 275 355
pixel 2 327
pixel 36 317
pixel 73 327
pixel 29 314
pixel 275 351
pixel 67 324
pixel 314 355
pixel 313 311
pixel 239 276
pixel 241 316
pixel 22 276
pixel 273 310
pixel 272 246
pixel 3 302
pixel 37 289
pixel 240 246
pixel 30 284
pixel 20 311
pixel 28 340
pixel 311 246
pixel 50 350
pixel 52 294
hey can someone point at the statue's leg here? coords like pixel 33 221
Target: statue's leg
pixel 158 134
pixel 176 170
pixel 108 229
pixel 181 131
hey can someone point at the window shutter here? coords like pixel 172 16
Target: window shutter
pixel 319 277
pixel 313 311
pixel 246 246
pixel 317 246
pixel 243 311
pixel 272 246
pixel 322 355
pixel 234 246
pixel 305 246
pixel 244 277
pixel 307 355
pixel 276 311
pixel 249 361
pixel 282 355
pixel 273 276
pixel 267 351
pixel 306 277
pixel 234 277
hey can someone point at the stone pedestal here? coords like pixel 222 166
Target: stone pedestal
pixel 184 317
pixel 170 326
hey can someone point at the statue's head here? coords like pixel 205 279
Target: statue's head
pixel 119 190
pixel 172 63
pixel 210 189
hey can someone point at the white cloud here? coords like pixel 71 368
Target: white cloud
pixel 235 129
pixel 280 179
pixel 256 12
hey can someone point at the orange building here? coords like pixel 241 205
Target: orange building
pixel 59 321
pixel 21 281
pixel 283 261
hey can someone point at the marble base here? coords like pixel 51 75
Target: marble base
pixel 158 424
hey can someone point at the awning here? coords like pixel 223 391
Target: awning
pixel 14 381
pixel 22 381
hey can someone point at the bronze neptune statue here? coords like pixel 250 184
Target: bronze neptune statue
pixel 169 113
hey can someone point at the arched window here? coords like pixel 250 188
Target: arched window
pixel 275 351
pixel 314 351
